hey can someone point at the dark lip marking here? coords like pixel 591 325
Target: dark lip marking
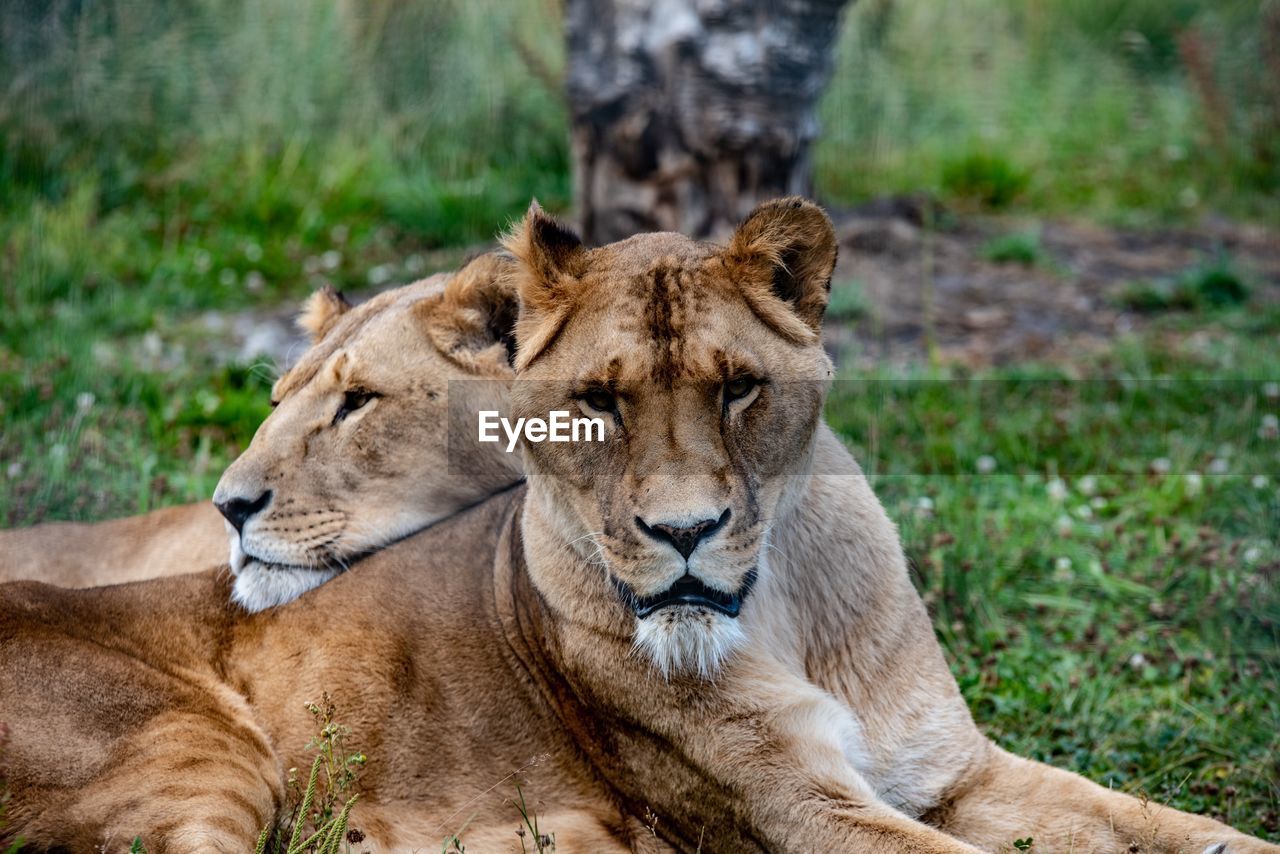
pixel 688 590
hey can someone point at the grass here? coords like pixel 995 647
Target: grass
pixel 1019 248
pixel 1107 600
pixel 318 811
pixel 1215 284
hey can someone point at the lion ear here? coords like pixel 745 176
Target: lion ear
pixel 550 260
pixel 474 323
pixel 321 311
pixel 782 256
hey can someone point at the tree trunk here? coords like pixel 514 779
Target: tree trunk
pixel 688 113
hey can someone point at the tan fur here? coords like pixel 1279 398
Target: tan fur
pixel 321 311
pixel 495 637
pixel 168 541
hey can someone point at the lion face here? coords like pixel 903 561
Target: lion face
pixel 705 364
pixel 354 455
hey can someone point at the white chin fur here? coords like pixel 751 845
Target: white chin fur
pixel 681 639
pixel 258 586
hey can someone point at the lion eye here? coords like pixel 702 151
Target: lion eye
pixel 600 400
pixel 738 388
pixel 351 401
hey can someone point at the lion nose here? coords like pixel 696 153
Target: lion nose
pixel 239 510
pixel 685 538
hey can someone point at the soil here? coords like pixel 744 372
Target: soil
pixel 931 287
pixel 929 292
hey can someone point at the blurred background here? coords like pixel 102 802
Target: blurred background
pixel 1025 193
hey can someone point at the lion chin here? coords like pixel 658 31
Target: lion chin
pixel 259 586
pixel 688 639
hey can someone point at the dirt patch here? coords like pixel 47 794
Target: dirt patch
pixel 932 287
pixel 925 284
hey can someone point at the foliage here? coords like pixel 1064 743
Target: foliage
pixel 318 820
pixel 543 843
pixel 1214 284
pixel 1133 110
pixel 847 301
pixel 1019 248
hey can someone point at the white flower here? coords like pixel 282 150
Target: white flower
pixel 227 277
pixel 1259 481
pixel 924 503
pixel 1064 526
pixel 1271 391
pixel 152 344
pixel 1219 465
pixel 85 401
pixel 1097 502
pixel 1252 554
pixel 985 464
pixel 1137 661
pixel 254 281
pixel 1062 564
pixel 14 470
pixel 1057 490
pixel 1161 465
pixel 58 451
pixel 253 252
pixel 415 264
pixel 1270 428
pixel 1193 484
pixel 1088 485
pixel 331 259
pixel 380 274
pixel 1084 511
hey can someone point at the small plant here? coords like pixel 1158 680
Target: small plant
pixel 989 180
pixel 1023 844
pixel 1217 284
pixel 1214 285
pixel 543 843
pixel 1020 248
pixel 847 301
pixel 320 822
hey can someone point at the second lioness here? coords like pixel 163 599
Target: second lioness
pixel 353 455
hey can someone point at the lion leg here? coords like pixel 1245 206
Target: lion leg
pixel 1006 798
pixel 186 781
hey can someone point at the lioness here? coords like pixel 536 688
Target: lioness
pixel 332 498
pixel 700 357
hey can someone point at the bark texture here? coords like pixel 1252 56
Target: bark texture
pixel 687 113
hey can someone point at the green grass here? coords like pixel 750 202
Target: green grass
pixel 1137 111
pixel 1019 248
pixel 1214 284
